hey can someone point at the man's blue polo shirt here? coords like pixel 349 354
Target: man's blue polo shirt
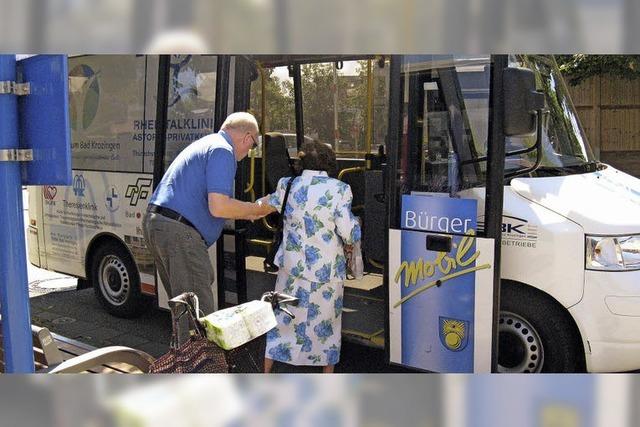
pixel 208 165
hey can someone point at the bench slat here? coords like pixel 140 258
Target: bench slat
pixel 50 349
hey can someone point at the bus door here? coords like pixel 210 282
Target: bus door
pixel 440 273
pixel 340 101
pixel 189 113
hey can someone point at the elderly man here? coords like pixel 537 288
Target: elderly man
pixel 190 205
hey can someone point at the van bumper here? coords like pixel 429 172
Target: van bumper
pixel 608 317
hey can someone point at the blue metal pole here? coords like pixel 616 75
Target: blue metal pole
pixel 14 292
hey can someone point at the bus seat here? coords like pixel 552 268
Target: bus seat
pixel 375 219
pixel 277 161
pixel 357 184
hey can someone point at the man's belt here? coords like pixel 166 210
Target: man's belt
pixel 171 214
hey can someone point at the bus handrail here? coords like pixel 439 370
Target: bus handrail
pixel 346 171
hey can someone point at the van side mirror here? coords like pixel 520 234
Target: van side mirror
pixel 521 102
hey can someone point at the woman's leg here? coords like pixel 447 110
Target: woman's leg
pixel 268 365
pixel 328 369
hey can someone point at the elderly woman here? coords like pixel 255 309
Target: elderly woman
pixel 317 224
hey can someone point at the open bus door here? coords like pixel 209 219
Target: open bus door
pixel 440 266
pixel 449 123
pixel 272 88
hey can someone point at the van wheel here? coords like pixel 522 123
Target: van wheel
pixel 116 281
pixel 536 334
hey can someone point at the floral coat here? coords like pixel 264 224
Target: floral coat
pixel 317 222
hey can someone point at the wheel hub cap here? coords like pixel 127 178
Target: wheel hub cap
pixel 520 347
pixel 114 280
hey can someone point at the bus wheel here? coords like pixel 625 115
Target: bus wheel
pixel 116 282
pixel 536 334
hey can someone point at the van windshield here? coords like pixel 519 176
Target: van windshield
pixel 565 149
pixel 448 112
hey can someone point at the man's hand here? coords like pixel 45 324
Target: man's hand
pixel 263 208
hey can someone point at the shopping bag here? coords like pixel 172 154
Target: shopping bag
pixel 234 326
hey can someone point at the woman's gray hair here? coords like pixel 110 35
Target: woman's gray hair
pixel 240 121
pixel 318 156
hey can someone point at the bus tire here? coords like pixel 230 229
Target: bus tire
pixel 536 334
pixel 116 281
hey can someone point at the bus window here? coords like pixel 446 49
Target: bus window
pixel 107 112
pixel 190 114
pixel 345 105
pixel 446 112
pixel 278 114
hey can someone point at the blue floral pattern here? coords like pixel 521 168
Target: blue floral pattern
pixel 311 255
pixel 324 273
pixel 327 294
pixel 293 242
pixel 281 352
pixel 314 336
pixel 341 265
pixel 319 180
pixel 323 330
pixel 325 201
pixel 333 354
pixel 318 214
pixel 302 338
pixel 273 334
pixel 303 297
pixel 337 307
pixel 317 223
pixel 301 195
pixel 314 311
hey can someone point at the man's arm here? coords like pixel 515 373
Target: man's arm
pixel 223 206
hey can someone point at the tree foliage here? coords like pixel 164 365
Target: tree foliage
pixel 320 82
pixel 577 68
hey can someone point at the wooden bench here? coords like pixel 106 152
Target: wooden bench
pixel 53 353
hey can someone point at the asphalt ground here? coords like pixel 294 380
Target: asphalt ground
pixel 77 314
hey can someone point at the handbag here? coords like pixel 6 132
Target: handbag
pixel 355 263
pixel 269 261
pixel 196 354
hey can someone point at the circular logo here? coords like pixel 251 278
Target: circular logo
pixel 84 95
pixel 453 340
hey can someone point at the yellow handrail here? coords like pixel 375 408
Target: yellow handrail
pixel 345 171
pixel 375 263
pixel 252 173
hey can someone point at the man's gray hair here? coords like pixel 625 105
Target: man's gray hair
pixel 240 121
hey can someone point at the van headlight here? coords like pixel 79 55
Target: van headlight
pixel 615 253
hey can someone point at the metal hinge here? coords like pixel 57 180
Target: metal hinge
pixel 16 155
pixel 13 88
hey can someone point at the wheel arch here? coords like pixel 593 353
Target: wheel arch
pixel 99 240
pixel 515 285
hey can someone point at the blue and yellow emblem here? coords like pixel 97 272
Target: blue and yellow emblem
pixel 454 333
